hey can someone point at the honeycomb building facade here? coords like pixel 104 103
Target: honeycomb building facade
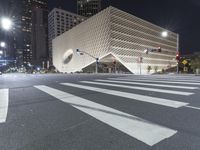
pixel 118 39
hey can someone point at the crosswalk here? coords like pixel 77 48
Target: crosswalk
pixel 3 104
pixel 136 127
pixel 141 88
pixel 143 130
pixel 164 92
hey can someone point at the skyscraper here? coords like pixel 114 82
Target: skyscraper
pixel 22 14
pixel 39 35
pixel 88 8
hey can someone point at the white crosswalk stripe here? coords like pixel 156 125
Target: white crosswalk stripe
pixel 141 88
pixel 168 79
pixel 156 81
pixel 3 104
pixel 138 97
pixel 133 126
pixel 149 84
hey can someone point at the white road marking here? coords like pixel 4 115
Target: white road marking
pixel 168 79
pixel 173 82
pixel 3 104
pixel 192 107
pixel 141 88
pixel 148 99
pixel 133 126
pixel 149 84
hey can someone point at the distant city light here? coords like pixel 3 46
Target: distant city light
pixel 38 68
pixel 3 44
pixel 6 23
pixel 164 34
pixel 1 52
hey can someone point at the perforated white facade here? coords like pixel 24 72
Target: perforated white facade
pixel 120 35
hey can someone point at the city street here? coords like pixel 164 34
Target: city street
pixel 99 112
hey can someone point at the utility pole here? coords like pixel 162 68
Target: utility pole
pixel 178 53
pixel 96 58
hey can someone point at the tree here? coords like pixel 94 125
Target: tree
pixel 149 68
pixel 195 63
pixel 156 69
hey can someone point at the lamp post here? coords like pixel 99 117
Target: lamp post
pixel 165 34
pixel 6 24
pixel 177 53
pixel 3 52
pixel 96 58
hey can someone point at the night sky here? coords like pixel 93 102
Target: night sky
pixel 180 16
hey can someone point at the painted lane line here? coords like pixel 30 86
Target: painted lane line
pixel 192 107
pixel 167 78
pixel 171 80
pixel 148 84
pixel 137 97
pixel 164 79
pixel 3 104
pixel 133 126
pixel 186 83
pixel 140 88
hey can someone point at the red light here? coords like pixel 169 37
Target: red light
pixel 177 56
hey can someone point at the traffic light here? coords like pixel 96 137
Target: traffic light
pixel 177 56
pixel 97 60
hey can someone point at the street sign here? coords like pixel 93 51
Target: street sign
pixel 184 62
pixel 185 69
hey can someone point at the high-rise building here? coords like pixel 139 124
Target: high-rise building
pixel 22 13
pixel 60 21
pixel 39 32
pixel 39 36
pixel 88 8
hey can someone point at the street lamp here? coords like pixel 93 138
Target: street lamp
pixel 6 23
pixel 164 34
pixel 177 51
pixel 3 52
pixel 3 44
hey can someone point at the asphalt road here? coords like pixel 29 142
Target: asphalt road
pixel 99 112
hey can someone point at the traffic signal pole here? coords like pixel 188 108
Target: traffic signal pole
pixel 97 59
pixel 178 53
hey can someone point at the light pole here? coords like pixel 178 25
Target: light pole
pixel 178 53
pixel 96 58
pixel 165 34
pixel 3 52
pixel 140 62
pixel 6 24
